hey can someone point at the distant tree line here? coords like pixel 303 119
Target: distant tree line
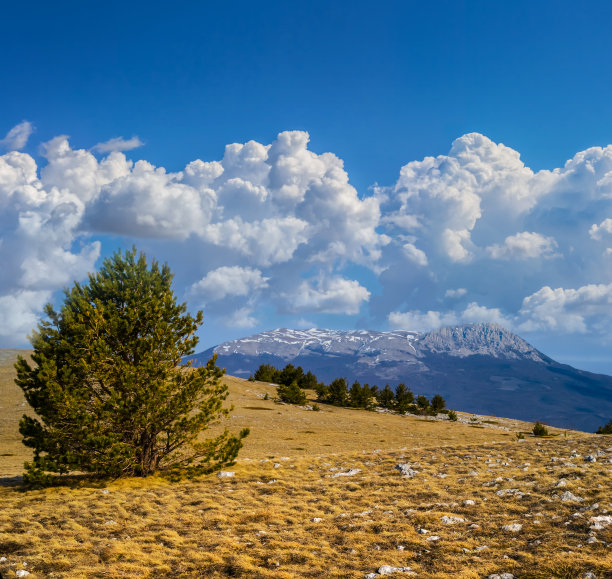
pixel 607 429
pixel 292 381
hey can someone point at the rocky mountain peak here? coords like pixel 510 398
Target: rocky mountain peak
pixel 487 339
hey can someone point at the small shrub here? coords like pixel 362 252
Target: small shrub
pixel 539 429
pixel 452 416
pixel 291 394
pixel 266 396
pixel 520 436
pixel 316 407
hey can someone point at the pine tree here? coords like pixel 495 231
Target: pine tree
pixel 356 395
pixel 337 392
pixel 107 386
pixel 422 403
pixel 403 398
pixel 308 381
pixel 291 394
pixel 438 403
pixel 267 373
pixel 607 429
pixel 539 429
pixel 368 399
pixel 386 397
pixel 290 374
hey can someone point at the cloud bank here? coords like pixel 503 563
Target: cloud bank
pixel 473 235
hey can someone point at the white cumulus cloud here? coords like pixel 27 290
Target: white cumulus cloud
pixel 604 228
pixel 118 144
pixel 430 320
pixel 229 281
pixel 524 245
pixel 334 295
pixel 241 318
pixel 415 255
pixel 17 137
pixel 568 310
pixel 465 236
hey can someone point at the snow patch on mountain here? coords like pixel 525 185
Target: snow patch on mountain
pixel 371 347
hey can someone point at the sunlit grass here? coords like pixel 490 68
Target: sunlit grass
pixel 286 512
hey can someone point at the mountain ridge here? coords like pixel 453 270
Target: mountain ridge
pixel 482 368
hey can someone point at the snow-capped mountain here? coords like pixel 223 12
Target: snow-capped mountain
pixel 481 368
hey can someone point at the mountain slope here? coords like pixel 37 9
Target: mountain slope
pixel 480 368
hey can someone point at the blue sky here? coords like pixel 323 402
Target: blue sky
pixel 497 114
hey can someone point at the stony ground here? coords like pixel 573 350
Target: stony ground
pixel 539 508
pixel 334 493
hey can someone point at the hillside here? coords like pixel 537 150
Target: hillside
pixel 319 494
pixel 284 429
pixel 480 368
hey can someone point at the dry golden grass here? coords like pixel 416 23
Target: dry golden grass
pixel 285 512
pixel 12 408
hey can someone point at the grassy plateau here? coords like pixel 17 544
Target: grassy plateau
pixel 319 494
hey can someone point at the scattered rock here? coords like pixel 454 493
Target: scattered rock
pixel 561 482
pixel 510 492
pixel 599 523
pixel 22 573
pixel 513 528
pixel 452 520
pixel 406 470
pixel 317 520
pixel 567 496
pixel 350 472
pixel 501 576
pixel 226 474
pixel 433 538
pixel 590 458
pixel 468 503
pixel 389 570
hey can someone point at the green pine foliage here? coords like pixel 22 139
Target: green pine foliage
pixel 337 393
pixel 267 373
pixel 308 381
pixel 361 396
pixel 607 429
pixel 422 404
pixel 291 394
pixel 438 403
pixel 386 397
pixel 290 374
pixel 539 429
pixel 107 387
pixel 322 391
pixel 403 398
